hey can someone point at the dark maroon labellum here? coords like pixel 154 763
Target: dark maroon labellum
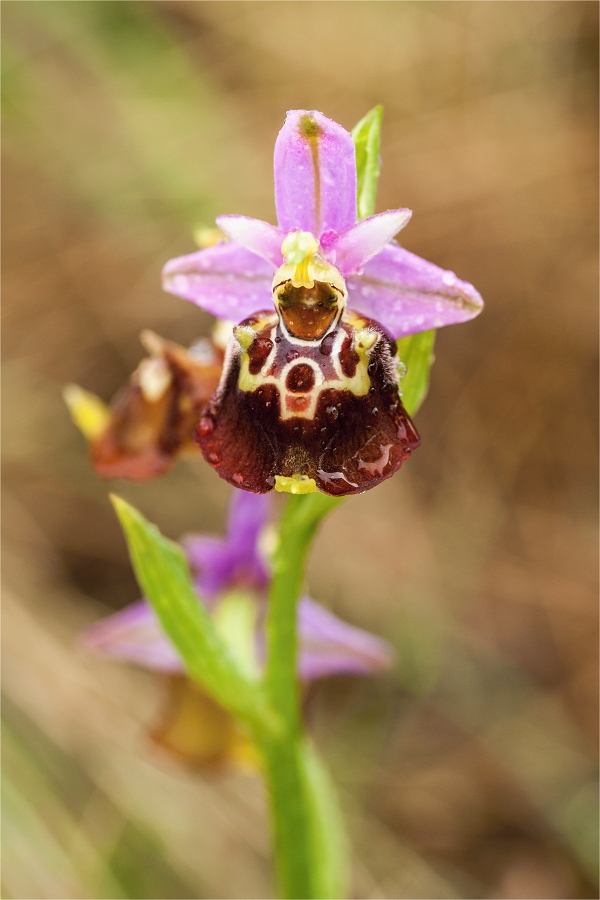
pixel 327 409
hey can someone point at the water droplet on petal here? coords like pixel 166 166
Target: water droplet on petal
pixel 206 426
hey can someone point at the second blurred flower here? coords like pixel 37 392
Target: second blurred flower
pixel 232 578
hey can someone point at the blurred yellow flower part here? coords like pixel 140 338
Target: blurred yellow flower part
pixel 196 729
pixel 89 412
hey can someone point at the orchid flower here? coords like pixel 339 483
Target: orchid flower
pixel 304 397
pixel 309 396
pixel 152 419
pixel 231 579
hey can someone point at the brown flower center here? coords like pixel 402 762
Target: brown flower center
pixel 308 313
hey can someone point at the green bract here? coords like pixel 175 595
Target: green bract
pixel 416 353
pixel 367 140
pixel 164 577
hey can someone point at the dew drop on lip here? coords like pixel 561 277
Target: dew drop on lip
pixel 206 426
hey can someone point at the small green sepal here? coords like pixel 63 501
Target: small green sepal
pixel 367 140
pixel 416 354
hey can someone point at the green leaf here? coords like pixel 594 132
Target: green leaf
pixel 329 841
pixel 367 138
pixel 163 575
pixel 416 352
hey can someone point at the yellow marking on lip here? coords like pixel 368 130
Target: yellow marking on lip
pixel 296 484
pixel 244 335
pixel 364 341
pixel 358 384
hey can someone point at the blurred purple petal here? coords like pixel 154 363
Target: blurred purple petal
pixel 226 280
pixel 329 646
pixel 133 635
pixel 365 239
pixel 259 237
pixel 234 560
pixel 406 294
pixel 315 174
pixel 248 515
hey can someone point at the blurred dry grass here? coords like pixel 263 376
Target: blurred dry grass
pixel 470 771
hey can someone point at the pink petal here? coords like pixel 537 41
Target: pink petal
pixel 406 294
pixel 329 646
pixel 259 237
pixel 221 563
pixel 248 516
pixel 315 174
pixel 365 239
pixel 226 280
pixel 134 635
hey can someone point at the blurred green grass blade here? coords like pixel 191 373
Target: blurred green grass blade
pixel 46 850
pixel 577 820
pixel 416 352
pixel 329 841
pixel 163 575
pixel 367 139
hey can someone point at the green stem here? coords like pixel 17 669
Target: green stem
pixel 299 523
pixel 290 818
pixel 284 755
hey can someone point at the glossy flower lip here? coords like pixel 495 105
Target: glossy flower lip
pixel 315 192
pixel 322 414
pixel 327 645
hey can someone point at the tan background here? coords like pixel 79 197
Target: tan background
pixel 468 772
